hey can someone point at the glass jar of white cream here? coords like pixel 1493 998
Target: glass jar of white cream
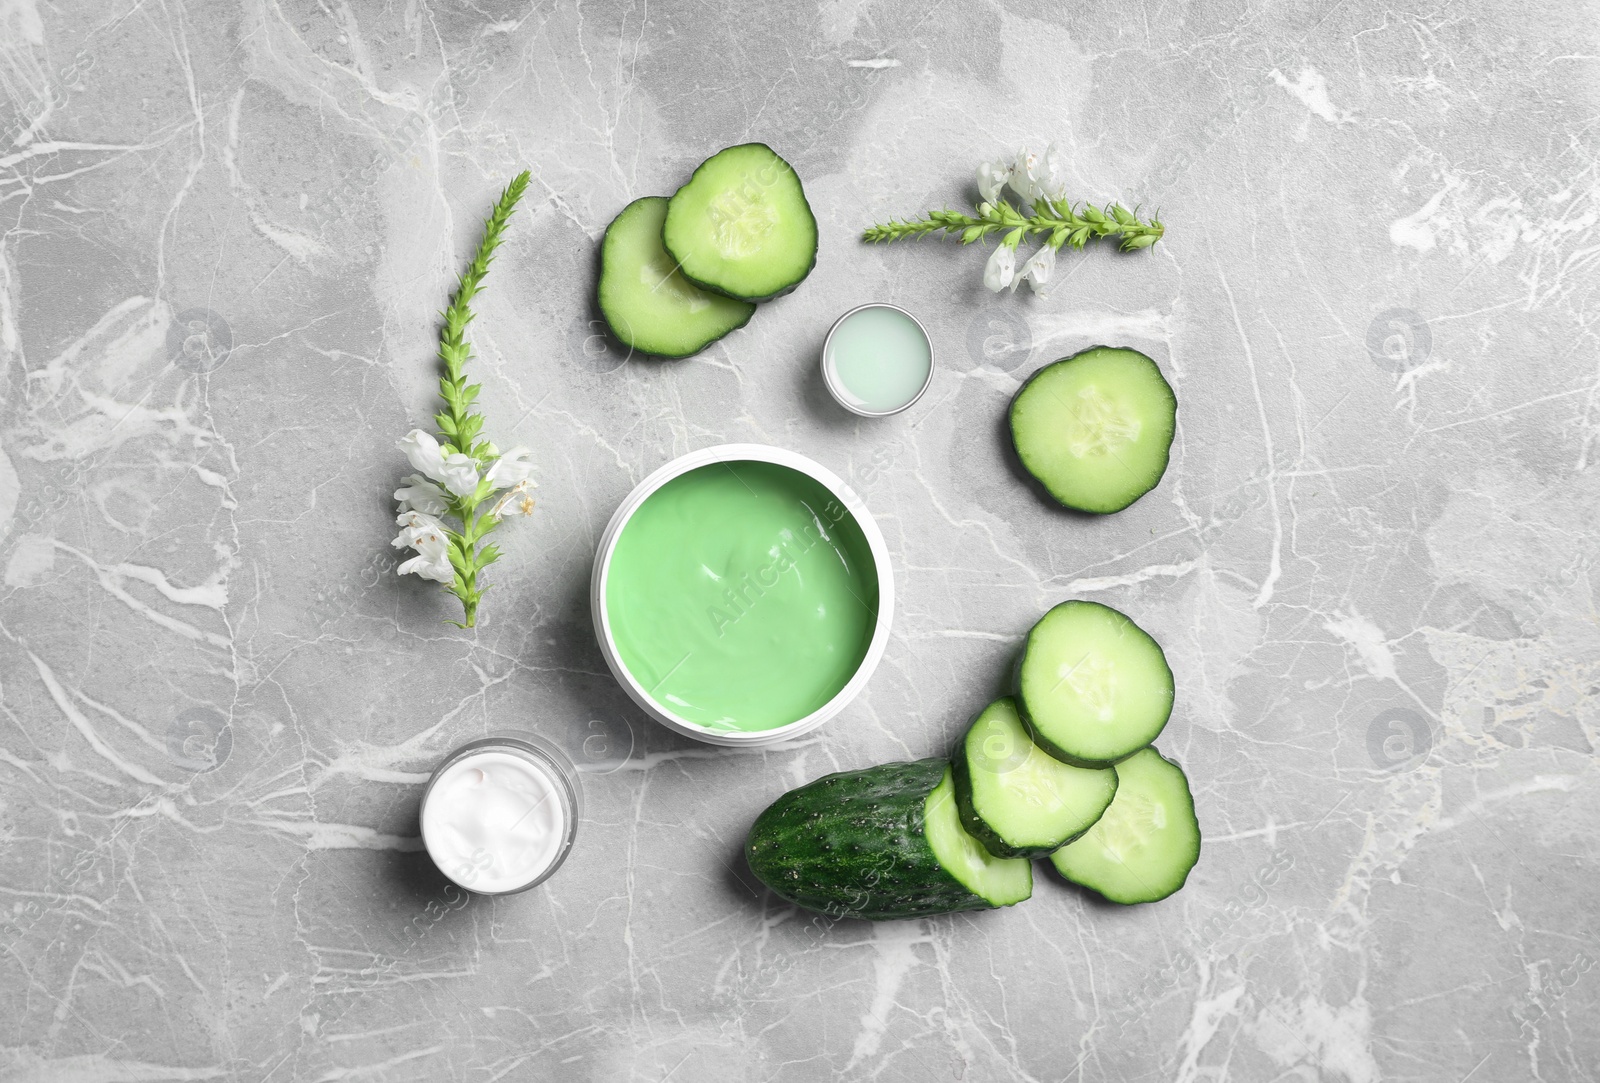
pixel 500 813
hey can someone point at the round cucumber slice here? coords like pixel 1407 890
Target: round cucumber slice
pixel 997 880
pixel 646 303
pixel 742 226
pixel 1095 428
pixel 1144 846
pixel 1015 798
pixel 1092 686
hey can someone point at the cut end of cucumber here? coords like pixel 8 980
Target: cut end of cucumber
pixel 1092 686
pixel 1015 798
pixel 648 305
pixel 1000 881
pixel 1096 428
pixel 741 226
pixel 1144 846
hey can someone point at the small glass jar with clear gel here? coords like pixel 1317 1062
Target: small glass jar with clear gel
pixel 500 813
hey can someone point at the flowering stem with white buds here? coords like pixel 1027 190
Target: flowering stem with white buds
pixel 1058 218
pixel 458 425
pixel 1037 180
pixel 457 476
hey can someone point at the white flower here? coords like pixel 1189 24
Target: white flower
pixel 456 472
pixel 512 468
pixel 1001 269
pixel 1023 172
pixel 1037 177
pixel 1040 266
pixel 422 450
pixel 460 474
pixel 431 565
pixel 418 531
pixel 1051 184
pixel 426 535
pixel 992 177
pixel 423 495
pixel 518 496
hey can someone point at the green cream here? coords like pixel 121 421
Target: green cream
pixel 742 596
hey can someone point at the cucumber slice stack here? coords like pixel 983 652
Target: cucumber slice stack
pixel 678 274
pixel 1065 769
pixel 648 304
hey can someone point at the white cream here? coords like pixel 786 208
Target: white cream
pixel 495 820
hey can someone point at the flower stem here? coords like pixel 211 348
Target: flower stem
pixel 459 426
pixel 1060 220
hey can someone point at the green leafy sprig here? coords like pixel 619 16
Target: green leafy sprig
pixel 461 427
pixel 1062 222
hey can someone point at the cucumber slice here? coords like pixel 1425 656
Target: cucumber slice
pixel 881 843
pixel 645 302
pixel 1015 798
pixel 742 226
pixel 999 881
pixel 1144 846
pixel 1095 428
pixel 1092 686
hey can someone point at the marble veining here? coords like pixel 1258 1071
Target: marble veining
pixel 227 231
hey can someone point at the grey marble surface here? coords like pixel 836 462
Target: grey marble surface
pixel 226 231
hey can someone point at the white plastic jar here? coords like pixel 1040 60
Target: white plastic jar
pixel 734 454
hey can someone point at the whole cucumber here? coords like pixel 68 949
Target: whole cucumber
pixel 881 843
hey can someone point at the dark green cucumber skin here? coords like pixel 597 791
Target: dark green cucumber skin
pixel 1166 455
pixel 979 829
pixel 611 324
pixel 1038 736
pixel 851 845
pixel 708 287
